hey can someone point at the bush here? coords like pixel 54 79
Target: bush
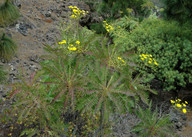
pixel 181 10
pixel 169 44
pixel 116 8
pixel 8 13
pixel 152 124
pixel 7 48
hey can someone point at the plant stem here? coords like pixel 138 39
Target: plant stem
pixel 102 121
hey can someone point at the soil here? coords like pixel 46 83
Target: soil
pixel 187 131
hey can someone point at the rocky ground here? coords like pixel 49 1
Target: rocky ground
pixel 38 25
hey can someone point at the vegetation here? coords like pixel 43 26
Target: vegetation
pixel 152 125
pixel 167 42
pixel 7 48
pixel 180 10
pixel 2 74
pixel 116 8
pixel 86 77
pixel 8 13
pixel 79 77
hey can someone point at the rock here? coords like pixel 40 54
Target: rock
pixel 47 14
pixel 33 67
pixel 190 123
pixel 63 14
pixel 22 28
pixel 173 117
pixel 35 59
pixel 178 125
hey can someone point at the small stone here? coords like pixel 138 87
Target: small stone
pixel 190 123
pixel 63 14
pixel 48 14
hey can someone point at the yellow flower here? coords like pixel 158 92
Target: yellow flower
pixel 142 58
pixel 156 63
pixel 184 105
pixel 62 42
pixel 74 48
pixel 149 62
pixel 172 101
pixel 70 7
pixel 123 61
pixel 107 30
pixel 186 102
pixel 119 58
pixel 184 110
pixel 77 42
pixel 73 16
pixel 71 45
pixel 178 105
pixel 179 99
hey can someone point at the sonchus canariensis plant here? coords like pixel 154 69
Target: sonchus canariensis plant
pixel 33 107
pixel 110 92
pixel 8 13
pixel 152 124
pixel 66 74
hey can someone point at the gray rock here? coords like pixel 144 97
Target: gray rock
pixel 47 14
pixel 23 28
pixel 17 3
pixel 63 14
pixel 190 123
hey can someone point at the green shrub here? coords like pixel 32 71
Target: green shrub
pixel 2 74
pixel 7 48
pixel 151 124
pixel 116 8
pixel 8 13
pixel 169 44
pixel 181 10
pixel 98 27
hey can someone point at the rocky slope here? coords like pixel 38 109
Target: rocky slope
pixel 39 24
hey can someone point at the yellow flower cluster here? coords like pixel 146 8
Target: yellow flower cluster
pixel 149 58
pixel 177 103
pixel 119 58
pixel 107 26
pixel 62 42
pixel 77 13
pixel 70 47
